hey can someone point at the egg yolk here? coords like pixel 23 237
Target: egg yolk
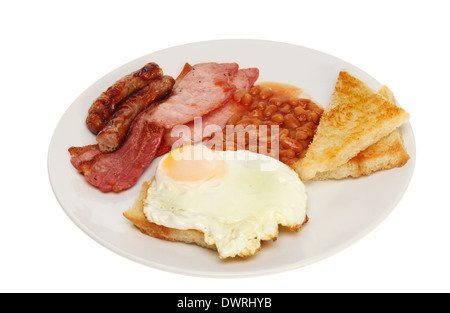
pixel 193 165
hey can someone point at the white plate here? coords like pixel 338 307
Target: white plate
pixel 340 212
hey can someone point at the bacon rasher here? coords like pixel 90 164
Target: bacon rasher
pixel 202 89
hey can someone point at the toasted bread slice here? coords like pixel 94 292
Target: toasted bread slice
pixel 387 153
pixel 356 118
pixel 136 215
pixel 387 93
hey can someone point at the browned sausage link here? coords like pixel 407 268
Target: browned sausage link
pixel 115 131
pixel 104 106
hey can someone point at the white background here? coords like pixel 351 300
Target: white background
pixel 53 50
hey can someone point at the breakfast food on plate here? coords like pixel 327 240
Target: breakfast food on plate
pixel 356 118
pixel 216 119
pixel 105 105
pixel 387 153
pixel 286 107
pixel 199 90
pixel 234 154
pixel 226 200
pixel 141 118
pixel 119 170
pixel 207 86
pixel 112 135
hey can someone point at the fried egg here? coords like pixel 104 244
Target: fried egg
pixel 236 198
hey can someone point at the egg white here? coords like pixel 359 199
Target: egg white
pixel 236 210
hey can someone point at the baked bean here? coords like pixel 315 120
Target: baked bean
pixel 286 108
pixel 308 117
pixel 303 128
pixel 277 118
pixel 310 125
pixel 252 106
pixel 299 111
pixel 270 110
pixel 300 135
pixel 294 102
pixel 307 130
pixel 287 153
pixel 238 95
pixel 234 119
pixel 303 118
pixel 291 121
pixel 284 133
pixel 289 143
pixel 246 99
pixel 266 93
pixel 255 90
pixel 276 101
pixel 261 105
pixel 256 113
pixel 304 103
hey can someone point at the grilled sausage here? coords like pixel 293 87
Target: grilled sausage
pixel 115 131
pixel 105 105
